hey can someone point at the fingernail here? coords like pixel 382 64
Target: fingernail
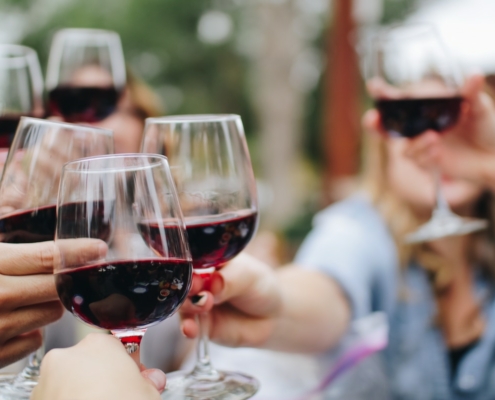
pixel 200 299
pixel 158 378
pixel 216 284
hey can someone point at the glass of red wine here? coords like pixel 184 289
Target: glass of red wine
pixel 145 273
pixel 21 91
pixel 28 197
pixel 416 87
pixel 86 74
pixel 212 171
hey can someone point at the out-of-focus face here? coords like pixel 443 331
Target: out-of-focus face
pixel 416 185
pixel 127 129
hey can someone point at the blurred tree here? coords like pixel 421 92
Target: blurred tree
pixel 161 44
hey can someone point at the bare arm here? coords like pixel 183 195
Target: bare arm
pixel 286 309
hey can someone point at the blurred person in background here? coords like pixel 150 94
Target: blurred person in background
pixel 439 296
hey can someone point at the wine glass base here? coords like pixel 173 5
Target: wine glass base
pixel 14 391
pixel 182 385
pixel 445 226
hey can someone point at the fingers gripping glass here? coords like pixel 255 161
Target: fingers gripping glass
pixel 212 171
pixel 416 87
pixel 134 275
pixel 86 74
pixel 28 196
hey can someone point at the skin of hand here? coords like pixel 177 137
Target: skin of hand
pixel 256 306
pixel 28 297
pixel 96 368
pixel 467 151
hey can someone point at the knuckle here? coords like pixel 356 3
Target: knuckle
pixel 46 255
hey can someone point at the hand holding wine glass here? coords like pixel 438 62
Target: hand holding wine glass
pixel 139 282
pixel 214 178
pixel 28 195
pixel 417 88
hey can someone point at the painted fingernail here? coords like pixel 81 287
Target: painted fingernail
pixel 200 299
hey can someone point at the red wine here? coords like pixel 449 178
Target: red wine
pixel 125 294
pixel 411 117
pixel 83 104
pixel 213 240
pixel 29 226
pixel 8 126
pixel 76 221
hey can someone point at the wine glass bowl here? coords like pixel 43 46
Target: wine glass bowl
pixel 21 88
pixel 135 282
pixel 86 74
pixel 212 171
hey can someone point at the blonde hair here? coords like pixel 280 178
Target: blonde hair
pixel 401 220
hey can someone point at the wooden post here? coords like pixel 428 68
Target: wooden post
pixel 341 118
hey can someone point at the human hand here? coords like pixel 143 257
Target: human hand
pixel 28 297
pixel 96 368
pixel 247 302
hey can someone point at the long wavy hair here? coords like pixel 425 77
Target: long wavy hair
pixel 401 220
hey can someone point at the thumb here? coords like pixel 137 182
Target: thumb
pixel 156 377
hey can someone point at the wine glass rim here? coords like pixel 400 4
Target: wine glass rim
pixel 15 51
pixel 68 125
pixel 86 31
pixel 198 118
pixel 72 165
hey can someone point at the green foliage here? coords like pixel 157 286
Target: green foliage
pixel 212 79
pixel 397 10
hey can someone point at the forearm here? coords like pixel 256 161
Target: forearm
pixel 314 314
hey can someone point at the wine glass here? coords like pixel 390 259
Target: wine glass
pixel 129 203
pixel 416 87
pixel 86 74
pixel 21 91
pixel 212 171
pixel 28 197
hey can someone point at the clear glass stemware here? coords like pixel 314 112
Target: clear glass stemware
pixel 212 170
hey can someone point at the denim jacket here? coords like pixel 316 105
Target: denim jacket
pixel 351 243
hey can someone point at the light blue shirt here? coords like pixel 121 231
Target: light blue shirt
pixel 351 243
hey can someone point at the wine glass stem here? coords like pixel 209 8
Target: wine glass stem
pixel 134 350
pixel 32 371
pixel 203 368
pixel 442 206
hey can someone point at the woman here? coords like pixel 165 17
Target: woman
pixel 438 296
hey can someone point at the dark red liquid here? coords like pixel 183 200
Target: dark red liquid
pixel 125 294
pixel 411 117
pixel 29 226
pixel 8 126
pixel 75 221
pixel 213 240
pixel 82 104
